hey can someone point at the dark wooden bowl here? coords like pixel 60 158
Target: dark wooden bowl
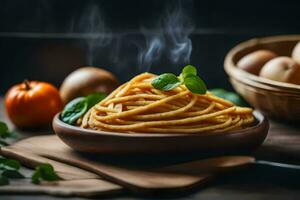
pixel 92 141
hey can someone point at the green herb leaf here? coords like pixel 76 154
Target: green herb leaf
pixel 230 96
pixel 195 84
pixel 12 174
pixel 3 127
pixel 4 131
pixel 166 82
pixel 189 70
pixel 44 172
pixel 9 169
pixel 35 178
pixel 95 98
pixel 74 110
pixel 3 180
pixel 9 164
pixel 79 106
pixel 3 143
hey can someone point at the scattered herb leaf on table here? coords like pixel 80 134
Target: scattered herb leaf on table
pixel 4 131
pixel 9 168
pixel 44 172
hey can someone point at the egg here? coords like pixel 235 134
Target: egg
pixel 296 53
pixel 253 62
pixel 283 69
pixel 87 80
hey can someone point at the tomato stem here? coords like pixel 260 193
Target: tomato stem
pixel 27 84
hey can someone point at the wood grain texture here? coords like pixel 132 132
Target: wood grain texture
pixel 79 187
pixel 139 180
pixel 75 180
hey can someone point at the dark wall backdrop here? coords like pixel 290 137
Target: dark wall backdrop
pixel 47 39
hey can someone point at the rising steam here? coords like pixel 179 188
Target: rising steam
pixel 171 39
pixel 178 29
pixel 92 23
pixel 152 52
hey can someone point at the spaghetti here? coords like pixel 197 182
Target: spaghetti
pixel 138 107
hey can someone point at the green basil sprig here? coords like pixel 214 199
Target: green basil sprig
pixel 74 110
pixel 6 134
pixel 188 77
pixel 166 82
pixel 79 106
pixel 44 172
pixel 4 131
pixel 9 169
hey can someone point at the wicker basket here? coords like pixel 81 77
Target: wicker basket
pixel 275 99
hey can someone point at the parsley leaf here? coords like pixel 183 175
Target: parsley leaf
pixel 3 180
pixel 6 163
pixel 44 172
pixel 9 169
pixel 4 131
pixel 9 173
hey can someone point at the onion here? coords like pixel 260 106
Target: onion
pixel 296 53
pixel 283 69
pixel 87 80
pixel 253 62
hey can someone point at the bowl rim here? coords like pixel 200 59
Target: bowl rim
pixel 265 88
pixel 259 117
pixel 232 70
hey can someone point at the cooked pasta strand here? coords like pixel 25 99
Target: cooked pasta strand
pixel 138 107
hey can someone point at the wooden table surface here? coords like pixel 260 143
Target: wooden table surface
pixel 258 182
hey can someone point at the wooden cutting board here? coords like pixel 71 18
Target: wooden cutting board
pixel 76 182
pixel 88 175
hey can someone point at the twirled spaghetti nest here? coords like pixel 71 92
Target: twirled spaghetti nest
pixel 138 107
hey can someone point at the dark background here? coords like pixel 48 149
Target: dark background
pixel 47 39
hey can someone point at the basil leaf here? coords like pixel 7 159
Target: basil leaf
pixel 166 82
pixel 35 178
pixel 3 180
pixel 3 143
pixel 4 132
pixel 44 172
pixel 3 127
pixel 9 164
pixel 189 70
pixel 74 110
pixel 9 169
pixel 230 96
pixel 95 98
pixel 195 84
pixel 12 174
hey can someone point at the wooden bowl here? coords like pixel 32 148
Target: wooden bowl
pixel 275 99
pixel 92 141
